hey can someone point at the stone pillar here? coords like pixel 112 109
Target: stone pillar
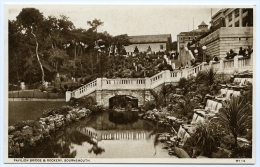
pixel 233 19
pixel 99 84
pixel 240 17
pixel 167 76
pixel 68 96
pixel 210 64
pixel 184 73
pixel 236 63
pixel 173 65
pixel 147 83
pixel 221 65
pixel 227 21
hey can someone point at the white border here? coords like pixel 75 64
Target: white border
pixel 3 73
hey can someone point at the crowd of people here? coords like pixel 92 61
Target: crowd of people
pixel 242 52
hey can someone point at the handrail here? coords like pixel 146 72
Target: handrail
pixel 156 80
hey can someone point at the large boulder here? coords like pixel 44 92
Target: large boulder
pixel 181 153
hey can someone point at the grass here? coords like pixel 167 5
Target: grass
pixel 29 110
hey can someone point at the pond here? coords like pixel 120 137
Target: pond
pixel 102 136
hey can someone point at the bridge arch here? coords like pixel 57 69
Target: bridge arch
pixel 105 95
pixel 122 101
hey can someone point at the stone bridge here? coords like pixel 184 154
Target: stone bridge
pixel 103 88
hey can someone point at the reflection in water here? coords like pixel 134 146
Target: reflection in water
pixel 123 117
pixel 99 137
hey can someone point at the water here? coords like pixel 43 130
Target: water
pixel 101 136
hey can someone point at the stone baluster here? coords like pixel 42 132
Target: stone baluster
pixel 236 66
pixel 68 96
pixel 167 76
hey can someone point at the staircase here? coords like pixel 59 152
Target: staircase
pixel 133 83
pixel 238 64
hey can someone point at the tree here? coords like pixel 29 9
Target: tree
pixel 95 24
pixel 15 52
pixel 30 20
pixel 119 42
pixel 236 115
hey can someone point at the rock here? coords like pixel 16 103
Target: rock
pixel 180 152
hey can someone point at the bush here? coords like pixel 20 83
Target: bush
pixel 182 83
pixel 149 105
pixel 242 152
pixel 42 88
pixel 54 90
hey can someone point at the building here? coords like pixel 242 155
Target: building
pixel 184 38
pixel 232 29
pixel 149 43
pixel 232 17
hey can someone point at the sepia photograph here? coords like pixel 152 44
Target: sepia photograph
pixel 129 83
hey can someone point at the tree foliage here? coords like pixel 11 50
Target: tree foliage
pixel 236 116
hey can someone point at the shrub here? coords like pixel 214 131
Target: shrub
pixel 42 88
pixel 54 90
pixel 149 105
pixel 242 152
pixel 182 83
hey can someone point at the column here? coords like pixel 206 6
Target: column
pixel 233 19
pixel 240 17
pixel 184 73
pixel 99 84
pixel 221 65
pixel 226 20
pixel 236 63
pixel 68 96
pixel 173 65
pixel 147 83
pixel 167 76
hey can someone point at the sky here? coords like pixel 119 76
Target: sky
pixel 129 19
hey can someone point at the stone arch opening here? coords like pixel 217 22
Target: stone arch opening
pixel 122 101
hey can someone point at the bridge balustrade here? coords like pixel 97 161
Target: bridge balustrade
pixel 225 66
pixel 125 83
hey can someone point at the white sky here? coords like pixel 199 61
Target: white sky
pixel 129 19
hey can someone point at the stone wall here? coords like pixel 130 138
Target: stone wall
pixel 103 96
pixel 222 40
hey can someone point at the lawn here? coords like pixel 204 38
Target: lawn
pixel 29 110
pixel 35 94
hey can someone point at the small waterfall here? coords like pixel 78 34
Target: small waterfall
pixel 200 119
pixel 229 94
pixel 236 93
pixel 218 107
pixel 223 92
pixel 213 105
pixel 194 118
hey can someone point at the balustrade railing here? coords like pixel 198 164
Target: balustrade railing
pixel 156 80
pixel 215 65
pixel 82 91
pixel 243 62
pixel 195 70
pixel 228 64
pixel 123 83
